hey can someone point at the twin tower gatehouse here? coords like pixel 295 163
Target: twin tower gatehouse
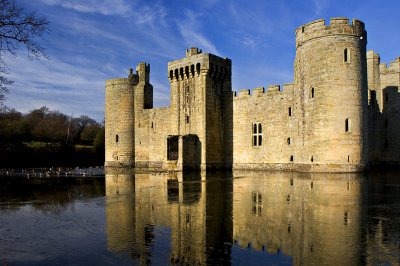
pixel 321 122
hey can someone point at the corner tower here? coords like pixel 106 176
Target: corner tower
pixel 330 79
pixel 126 99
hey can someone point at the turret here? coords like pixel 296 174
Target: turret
pixel 144 90
pixel 119 122
pixel 330 79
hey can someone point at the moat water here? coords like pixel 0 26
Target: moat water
pixel 239 218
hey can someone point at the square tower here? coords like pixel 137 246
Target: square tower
pixel 201 104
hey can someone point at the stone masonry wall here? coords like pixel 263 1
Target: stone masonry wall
pixel 384 109
pixel 273 110
pixel 119 122
pixel 331 94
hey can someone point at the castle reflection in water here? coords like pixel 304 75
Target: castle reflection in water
pixel 310 218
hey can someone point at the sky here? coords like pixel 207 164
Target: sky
pixel 91 41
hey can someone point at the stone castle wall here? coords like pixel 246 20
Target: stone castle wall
pixel 320 122
pixel 384 109
pixel 273 110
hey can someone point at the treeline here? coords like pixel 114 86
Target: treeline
pixel 49 138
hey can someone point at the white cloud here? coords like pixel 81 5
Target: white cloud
pixel 104 7
pixel 58 85
pixel 191 32
pixel 320 6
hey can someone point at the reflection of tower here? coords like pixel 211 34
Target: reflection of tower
pixel 314 218
pixel 197 214
pixel 188 214
pixel 120 210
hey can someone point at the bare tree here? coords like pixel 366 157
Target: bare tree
pixel 18 28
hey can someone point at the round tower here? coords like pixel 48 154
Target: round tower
pixel 330 78
pixel 119 122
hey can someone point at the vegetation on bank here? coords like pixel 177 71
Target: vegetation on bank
pixel 49 138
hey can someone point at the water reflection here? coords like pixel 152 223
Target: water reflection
pixel 308 219
pixel 47 194
pixel 314 218
pixel 245 218
pixel 197 214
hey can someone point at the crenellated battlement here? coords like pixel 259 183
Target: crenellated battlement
pixel 260 91
pixel 196 63
pixel 116 81
pixel 394 67
pixel 337 26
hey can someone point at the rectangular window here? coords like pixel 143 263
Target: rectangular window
pixel 346 125
pixel 290 111
pixel 257 134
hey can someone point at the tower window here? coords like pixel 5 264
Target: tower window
pixel 312 158
pixel 312 92
pixel 291 158
pixel 116 138
pixel 345 55
pixel 187 119
pixel 288 141
pixel 198 68
pixel 290 111
pixel 257 134
pixel 187 71
pixel 192 70
pixel 347 125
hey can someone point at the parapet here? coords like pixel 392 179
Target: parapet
pixel 117 81
pixel 193 51
pixel 196 63
pixel 338 26
pixel 394 67
pixel 260 91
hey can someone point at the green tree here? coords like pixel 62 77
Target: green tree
pixel 98 142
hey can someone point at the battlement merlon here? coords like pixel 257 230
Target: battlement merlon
pixel 338 26
pixel 371 55
pixel 260 91
pixel 196 63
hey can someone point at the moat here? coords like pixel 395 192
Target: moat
pixel 239 218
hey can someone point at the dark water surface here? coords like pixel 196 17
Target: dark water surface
pixel 239 218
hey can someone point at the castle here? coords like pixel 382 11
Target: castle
pixel 340 114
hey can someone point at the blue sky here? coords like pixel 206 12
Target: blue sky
pixel 94 40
